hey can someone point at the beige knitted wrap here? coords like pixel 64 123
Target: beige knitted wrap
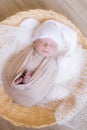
pixel 38 116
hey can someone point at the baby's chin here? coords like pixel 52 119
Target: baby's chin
pixel 46 54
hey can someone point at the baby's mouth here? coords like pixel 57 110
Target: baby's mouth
pixel 46 51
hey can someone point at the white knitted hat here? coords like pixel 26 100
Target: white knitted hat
pixel 65 37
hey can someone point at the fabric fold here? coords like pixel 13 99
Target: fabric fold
pixel 39 84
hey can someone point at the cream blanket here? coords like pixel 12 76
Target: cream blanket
pixel 39 84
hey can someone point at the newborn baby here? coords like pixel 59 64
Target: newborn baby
pixel 45 47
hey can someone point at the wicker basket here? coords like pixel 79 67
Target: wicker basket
pixel 35 117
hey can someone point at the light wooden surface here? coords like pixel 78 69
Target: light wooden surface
pixel 76 10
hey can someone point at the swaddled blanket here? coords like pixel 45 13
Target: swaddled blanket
pixel 39 84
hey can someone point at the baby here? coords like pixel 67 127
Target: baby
pixel 45 47
pixel 48 41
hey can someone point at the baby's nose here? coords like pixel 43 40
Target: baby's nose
pixel 47 46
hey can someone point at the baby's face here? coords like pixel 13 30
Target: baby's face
pixel 46 47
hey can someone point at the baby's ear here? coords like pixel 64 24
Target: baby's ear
pixel 29 23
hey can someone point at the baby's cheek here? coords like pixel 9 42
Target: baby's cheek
pixel 40 48
pixel 36 47
pixel 55 50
